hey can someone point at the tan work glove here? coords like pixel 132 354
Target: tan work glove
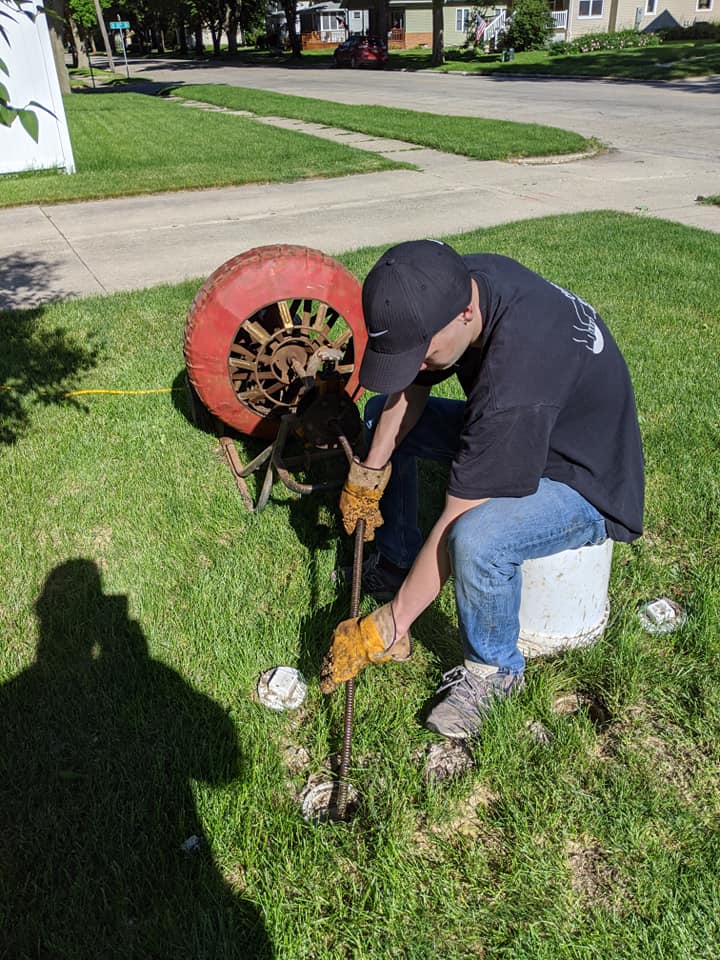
pixel 360 497
pixel 359 642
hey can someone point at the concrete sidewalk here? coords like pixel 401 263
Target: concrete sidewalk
pixel 75 249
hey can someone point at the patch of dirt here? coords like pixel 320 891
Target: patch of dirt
pixel 296 759
pixel 671 756
pixel 591 876
pixel 431 839
pixel 236 878
pixel 445 761
pixel 575 702
pixel 102 538
pixel 539 732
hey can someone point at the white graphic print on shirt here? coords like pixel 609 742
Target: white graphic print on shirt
pixel 589 332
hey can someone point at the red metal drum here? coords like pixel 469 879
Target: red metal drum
pixel 258 320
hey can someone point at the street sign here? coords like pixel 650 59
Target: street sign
pixel 120 26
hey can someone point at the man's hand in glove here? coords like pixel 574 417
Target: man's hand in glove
pixel 359 642
pixel 360 497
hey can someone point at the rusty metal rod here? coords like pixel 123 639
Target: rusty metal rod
pixel 233 461
pixel 350 684
pixel 347 449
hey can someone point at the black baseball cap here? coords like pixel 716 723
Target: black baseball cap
pixel 413 291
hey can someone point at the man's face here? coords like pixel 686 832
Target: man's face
pixel 447 346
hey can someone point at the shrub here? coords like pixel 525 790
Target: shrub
pixel 460 53
pixel 256 38
pixel 709 30
pixel 605 41
pixel 530 27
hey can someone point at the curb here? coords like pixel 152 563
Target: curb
pixel 562 158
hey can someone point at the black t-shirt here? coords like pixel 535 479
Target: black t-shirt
pixel 548 395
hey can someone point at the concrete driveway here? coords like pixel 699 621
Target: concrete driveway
pixel 663 139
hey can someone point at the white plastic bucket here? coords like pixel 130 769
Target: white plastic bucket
pixel 564 600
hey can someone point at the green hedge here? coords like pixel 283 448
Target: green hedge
pixel 698 31
pixel 605 41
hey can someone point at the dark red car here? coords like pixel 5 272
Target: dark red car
pixel 361 52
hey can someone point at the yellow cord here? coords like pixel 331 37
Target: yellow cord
pixel 132 393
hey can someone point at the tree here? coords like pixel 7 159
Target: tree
pixel 232 24
pixel 212 14
pixel 438 47
pixel 531 25
pixel 82 19
pixel 106 39
pixel 379 18
pixel 55 10
pixel 252 16
pixel 290 11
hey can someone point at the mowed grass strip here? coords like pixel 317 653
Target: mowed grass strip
pixel 141 601
pixel 467 136
pixel 126 143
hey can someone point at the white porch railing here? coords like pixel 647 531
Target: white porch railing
pixel 496 26
pixel 333 36
pixel 560 17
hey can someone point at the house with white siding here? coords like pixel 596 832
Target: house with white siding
pixel 411 20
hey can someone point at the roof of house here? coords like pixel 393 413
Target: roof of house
pixel 329 7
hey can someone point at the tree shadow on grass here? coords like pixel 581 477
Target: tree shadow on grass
pixel 98 745
pixel 38 365
pixel 253 59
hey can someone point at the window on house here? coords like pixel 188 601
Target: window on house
pixel 704 5
pixel 650 6
pixel 462 19
pixel 590 8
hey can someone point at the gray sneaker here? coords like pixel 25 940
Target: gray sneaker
pixel 468 698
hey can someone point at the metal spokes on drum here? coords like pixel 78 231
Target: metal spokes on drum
pixel 268 330
pixel 279 351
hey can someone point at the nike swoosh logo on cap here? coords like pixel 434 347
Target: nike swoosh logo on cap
pixel 378 334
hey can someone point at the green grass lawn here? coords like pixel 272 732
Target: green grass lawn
pixel 140 603
pixel 467 136
pixel 671 61
pixel 714 200
pixel 125 143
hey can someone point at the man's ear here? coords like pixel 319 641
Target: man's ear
pixel 467 314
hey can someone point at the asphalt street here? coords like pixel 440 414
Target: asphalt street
pixel 663 150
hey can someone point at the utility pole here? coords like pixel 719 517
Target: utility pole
pixel 106 39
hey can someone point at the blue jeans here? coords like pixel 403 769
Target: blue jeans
pixel 487 544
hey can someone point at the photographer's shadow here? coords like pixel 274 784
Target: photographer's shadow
pixel 98 747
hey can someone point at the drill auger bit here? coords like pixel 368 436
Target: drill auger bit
pixel 350 684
